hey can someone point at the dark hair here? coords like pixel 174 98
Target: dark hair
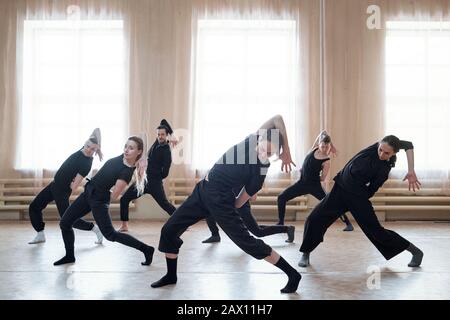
pixel 393 141
pixel 140 144
pixel 325 138
pixel 165 125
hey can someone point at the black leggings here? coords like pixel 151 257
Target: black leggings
pixel 250 222
pixel 48 194
pixel 301 188
pixel 99 205
pixel 204 201
pixel 153 187
pixel 338 201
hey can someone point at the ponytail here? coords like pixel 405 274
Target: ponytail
pixel 139 174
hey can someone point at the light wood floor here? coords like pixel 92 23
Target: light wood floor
pixel 339 268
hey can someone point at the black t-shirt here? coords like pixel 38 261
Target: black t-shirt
pixel 365 173
pixel 114 169
pixel 240 167
pixel 77 163
pixel 159 161
pixel 311 168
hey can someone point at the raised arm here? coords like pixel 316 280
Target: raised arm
pixel 316 142
pixel 96 134
pixel 277 122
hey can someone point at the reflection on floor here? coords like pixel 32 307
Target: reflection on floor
pixel 345 266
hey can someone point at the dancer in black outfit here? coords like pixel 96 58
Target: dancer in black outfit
pixel 96 197
pixel 67 179
pixel 158 164
pixel 243 167
pixel 354 185
pixel 314 171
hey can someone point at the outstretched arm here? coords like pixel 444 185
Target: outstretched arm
pixel 413 182
pixel 277 122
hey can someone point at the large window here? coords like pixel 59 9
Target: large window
pixel 418 90
pixel 74 79
pixel 246 72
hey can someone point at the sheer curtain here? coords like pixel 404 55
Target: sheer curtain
pixel 418 88
pixel 160 43
pixel 247 67
pixel 72 76
pixel 245 73
pixel 73 81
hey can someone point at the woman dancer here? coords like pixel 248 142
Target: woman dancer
pixel 158 162
pixel 96 197
pixel 354 185
pixel 67 179
pixel 314 171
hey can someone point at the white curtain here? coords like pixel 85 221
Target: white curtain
pixel 72 76
pixel 246 68
pixel 418 94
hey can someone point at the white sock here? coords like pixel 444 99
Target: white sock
pixel 39 238
pixel 99 235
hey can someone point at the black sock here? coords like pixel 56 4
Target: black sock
pixel 417 255
pixel 293 275
pixel 64 260
pixel 212 239
pixel 170 277
pixel 148 252
pixel 412 248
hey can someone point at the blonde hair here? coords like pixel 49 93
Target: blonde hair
pixel 140 174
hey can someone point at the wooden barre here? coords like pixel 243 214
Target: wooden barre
pixel 28 189
pixel 272 207
pixel 415 199
pixel 411 208
pixel 260 198
pixel 50 206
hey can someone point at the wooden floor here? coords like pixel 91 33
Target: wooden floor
pixel 340 268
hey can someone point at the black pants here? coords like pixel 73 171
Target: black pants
pixel 338 201
pixel 99 205
pixel 208 200
pixel 252 225
pixel 153 187
pixel 301 188
pixel 48 194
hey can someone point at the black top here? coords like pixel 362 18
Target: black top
pixel 114 169
pixel 311 168
pixel 365 173
pixel 77 163
pixel 159 161
pixel 240 167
